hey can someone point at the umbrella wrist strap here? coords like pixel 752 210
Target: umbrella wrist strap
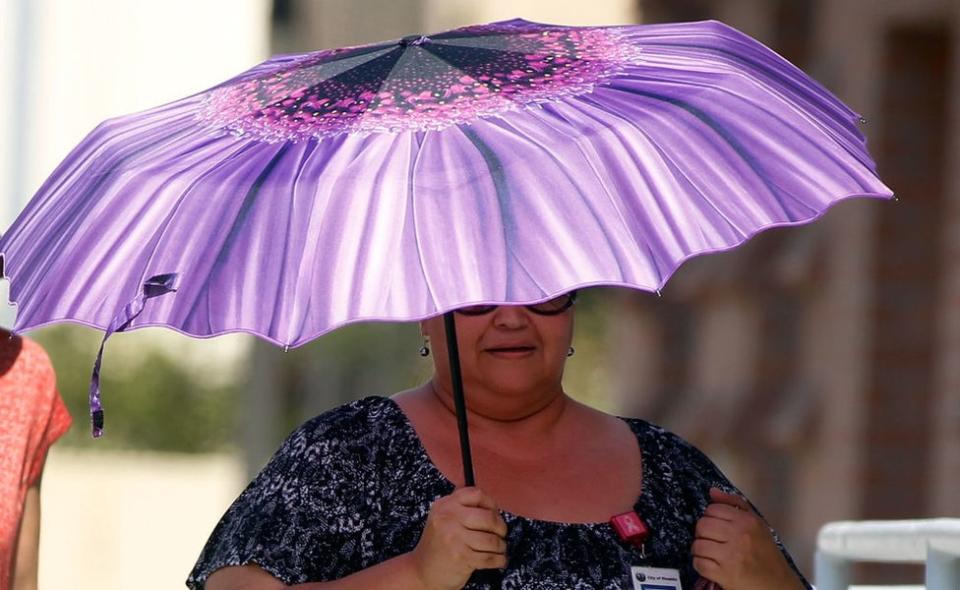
pixel 154 286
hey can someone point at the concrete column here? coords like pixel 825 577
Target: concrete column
pixel 262 406
pixel 637 354
pixel 945 465
pixel 835 355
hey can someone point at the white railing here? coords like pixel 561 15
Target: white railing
pixel 934 541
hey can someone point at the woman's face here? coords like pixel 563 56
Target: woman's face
pixel 510 353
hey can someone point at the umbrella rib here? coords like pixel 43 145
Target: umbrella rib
pixel 587 202
pixel 77 214
pixel 495 167
pixel 833 136
pixel 412 195
pixel 248 201
pixel 813 88
pixel 676 170
pixel 679 236
pixel 145 273
pixel 610 195
pixel 729 140
pixel 162 231
pixel 307 153
pixel 63 176
pixel 387 276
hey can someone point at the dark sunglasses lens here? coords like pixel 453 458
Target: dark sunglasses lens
pixel 553 306
pixel 476 309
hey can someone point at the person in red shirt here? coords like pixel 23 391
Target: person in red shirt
pixel 32 417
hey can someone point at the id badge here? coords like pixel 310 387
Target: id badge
pixel 655 578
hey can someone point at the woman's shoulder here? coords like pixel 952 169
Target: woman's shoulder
pixel 360 423
pixel 29 399
pixel 348 419
pixel 646 430
pixel 655 439
pixel 24 363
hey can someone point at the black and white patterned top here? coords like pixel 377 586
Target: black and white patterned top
pixel 352 488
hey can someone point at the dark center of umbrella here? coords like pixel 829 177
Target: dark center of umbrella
pixel 413 40
pixel 467 74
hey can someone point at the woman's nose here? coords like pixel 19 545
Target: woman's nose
pixel 510 316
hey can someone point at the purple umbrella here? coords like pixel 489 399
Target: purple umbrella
pixel 503 163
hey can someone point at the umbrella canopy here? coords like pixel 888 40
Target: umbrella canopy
pixel 502 163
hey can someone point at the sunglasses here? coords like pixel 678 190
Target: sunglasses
pixel 554 306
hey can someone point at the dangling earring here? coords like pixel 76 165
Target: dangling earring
pixel 424 351
pixel 571 351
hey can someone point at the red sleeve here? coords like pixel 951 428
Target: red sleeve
pixel 58 421
pixel 50 420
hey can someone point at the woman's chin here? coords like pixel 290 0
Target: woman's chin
pixel 518 388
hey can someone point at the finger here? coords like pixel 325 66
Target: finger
pixel 707 549
pixel 474 496
pixel 714 529
pixel 719 496
pixel 724 512
pixel 485 542
pixel 481 519
pixel 489 561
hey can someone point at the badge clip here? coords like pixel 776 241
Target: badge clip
pixel 631 529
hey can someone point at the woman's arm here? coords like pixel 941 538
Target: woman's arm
pixel 28 542
pixel 394 574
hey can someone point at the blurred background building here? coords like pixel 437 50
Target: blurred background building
pixel 824 361
pixel 819 366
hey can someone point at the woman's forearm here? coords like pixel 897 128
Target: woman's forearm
pixel 28 542
pixel 398 573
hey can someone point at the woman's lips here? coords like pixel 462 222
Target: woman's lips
pixel 511 351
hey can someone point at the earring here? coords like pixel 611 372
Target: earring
pixel 571 351
pixel 424 351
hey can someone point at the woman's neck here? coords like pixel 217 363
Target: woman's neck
pixel 507 419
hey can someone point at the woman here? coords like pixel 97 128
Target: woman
pixel 32 417
pixel 369 495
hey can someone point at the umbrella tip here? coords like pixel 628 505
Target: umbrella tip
pixel 862 120
pixel 96 419
pixel 413 40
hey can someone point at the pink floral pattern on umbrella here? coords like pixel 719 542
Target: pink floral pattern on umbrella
pixel 418 83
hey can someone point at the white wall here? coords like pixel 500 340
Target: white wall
pixel 562 12
pixel 114 521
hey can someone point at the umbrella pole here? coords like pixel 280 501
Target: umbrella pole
pixel 454 352
pixel 490 577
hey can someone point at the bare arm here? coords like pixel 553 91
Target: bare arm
pixel 394 574
pixel 28 542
